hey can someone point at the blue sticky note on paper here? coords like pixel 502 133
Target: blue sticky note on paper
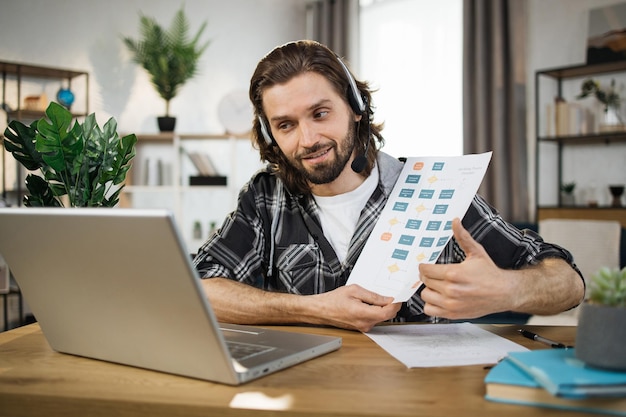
pixel 427 242
pixel 406 193
pixel 406 240
pixel 400 254
pixel 433 225
pixel 427 194
pixel 440 209
pixel 412 179
pixel 434 256
pixel 413 224
pixel 446 194
pixel 398 206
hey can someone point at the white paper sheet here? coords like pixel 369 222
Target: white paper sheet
pixel 416 222
pixel 452 344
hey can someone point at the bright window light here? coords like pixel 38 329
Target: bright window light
pixel 411 52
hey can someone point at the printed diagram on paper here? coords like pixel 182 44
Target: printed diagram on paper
pixel 416 222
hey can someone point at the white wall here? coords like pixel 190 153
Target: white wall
pixel 557 37
pixel 86 35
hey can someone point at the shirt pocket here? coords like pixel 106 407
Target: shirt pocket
pixel 298 268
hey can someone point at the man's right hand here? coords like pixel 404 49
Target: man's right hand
pixel 353 307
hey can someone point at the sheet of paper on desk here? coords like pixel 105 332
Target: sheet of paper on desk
pixel 432 345
pixel 416 222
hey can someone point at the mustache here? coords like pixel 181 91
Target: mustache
pixel 315 149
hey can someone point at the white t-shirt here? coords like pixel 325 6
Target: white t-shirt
pixel 339 214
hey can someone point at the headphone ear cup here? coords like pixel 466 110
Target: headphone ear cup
pixel 356 105
pixel 269 139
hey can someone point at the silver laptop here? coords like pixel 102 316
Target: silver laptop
pixel 117 285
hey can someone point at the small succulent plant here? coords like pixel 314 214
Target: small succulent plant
pixel 608 287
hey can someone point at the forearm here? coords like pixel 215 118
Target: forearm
pixel 548 288
pixel 348 307
pixel 234 302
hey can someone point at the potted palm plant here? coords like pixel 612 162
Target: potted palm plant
pixel 601 334
pixel 84 166
pixel 170 56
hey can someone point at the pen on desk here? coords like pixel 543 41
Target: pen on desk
pixel 541 339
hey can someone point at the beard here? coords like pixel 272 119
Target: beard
pixel 328 171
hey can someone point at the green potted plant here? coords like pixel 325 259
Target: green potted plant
pixel 170 56
pixel 601 334
pixel 610 100
pixel 84 166
pixel 567 194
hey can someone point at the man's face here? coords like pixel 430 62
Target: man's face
pixel 313 126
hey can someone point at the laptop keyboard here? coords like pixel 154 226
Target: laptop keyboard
pixel 240 351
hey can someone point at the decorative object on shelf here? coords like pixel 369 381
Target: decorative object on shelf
pixel 36 103
pixel 207 180
pixel 169 56
pixel 616 192
pixel 611 120
pixel 166 123
pixel 601 334
pixel 606 38
pixel 567 194
pixel 65 97
pixel 84 165
pixel 197 230
pixel 235 112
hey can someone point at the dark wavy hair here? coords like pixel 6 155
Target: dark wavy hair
pixel 281 65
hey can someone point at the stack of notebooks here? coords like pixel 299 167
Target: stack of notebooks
pixel 555 378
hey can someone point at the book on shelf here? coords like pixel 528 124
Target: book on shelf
pixel 568 118
pixel 507 383
pixel 203 163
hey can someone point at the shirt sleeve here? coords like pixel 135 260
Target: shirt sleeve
pixel 508 247
pixel 237 250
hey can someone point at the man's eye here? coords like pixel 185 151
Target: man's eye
pixel 320 114
pixel 284 126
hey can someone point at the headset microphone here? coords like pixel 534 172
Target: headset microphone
pixel 360 161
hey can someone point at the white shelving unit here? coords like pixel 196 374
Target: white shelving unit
pixel 160 179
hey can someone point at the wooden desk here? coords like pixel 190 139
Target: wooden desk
pixel 360 379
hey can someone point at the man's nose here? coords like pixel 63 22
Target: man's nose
pixel 308 134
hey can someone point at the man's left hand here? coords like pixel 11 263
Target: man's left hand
pixel 472 288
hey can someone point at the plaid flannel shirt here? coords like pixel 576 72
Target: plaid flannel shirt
pixel 274 241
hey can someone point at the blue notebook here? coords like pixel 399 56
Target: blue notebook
pixel 506 383
pixel 563 375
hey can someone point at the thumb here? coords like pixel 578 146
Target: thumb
pixel 465 240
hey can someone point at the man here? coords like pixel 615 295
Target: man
pixel 285 254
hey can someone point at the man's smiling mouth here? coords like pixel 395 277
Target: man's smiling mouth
pixel 317 154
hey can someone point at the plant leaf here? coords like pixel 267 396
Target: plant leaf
pixel 41 195
pixel 19 139
pixel 84 162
